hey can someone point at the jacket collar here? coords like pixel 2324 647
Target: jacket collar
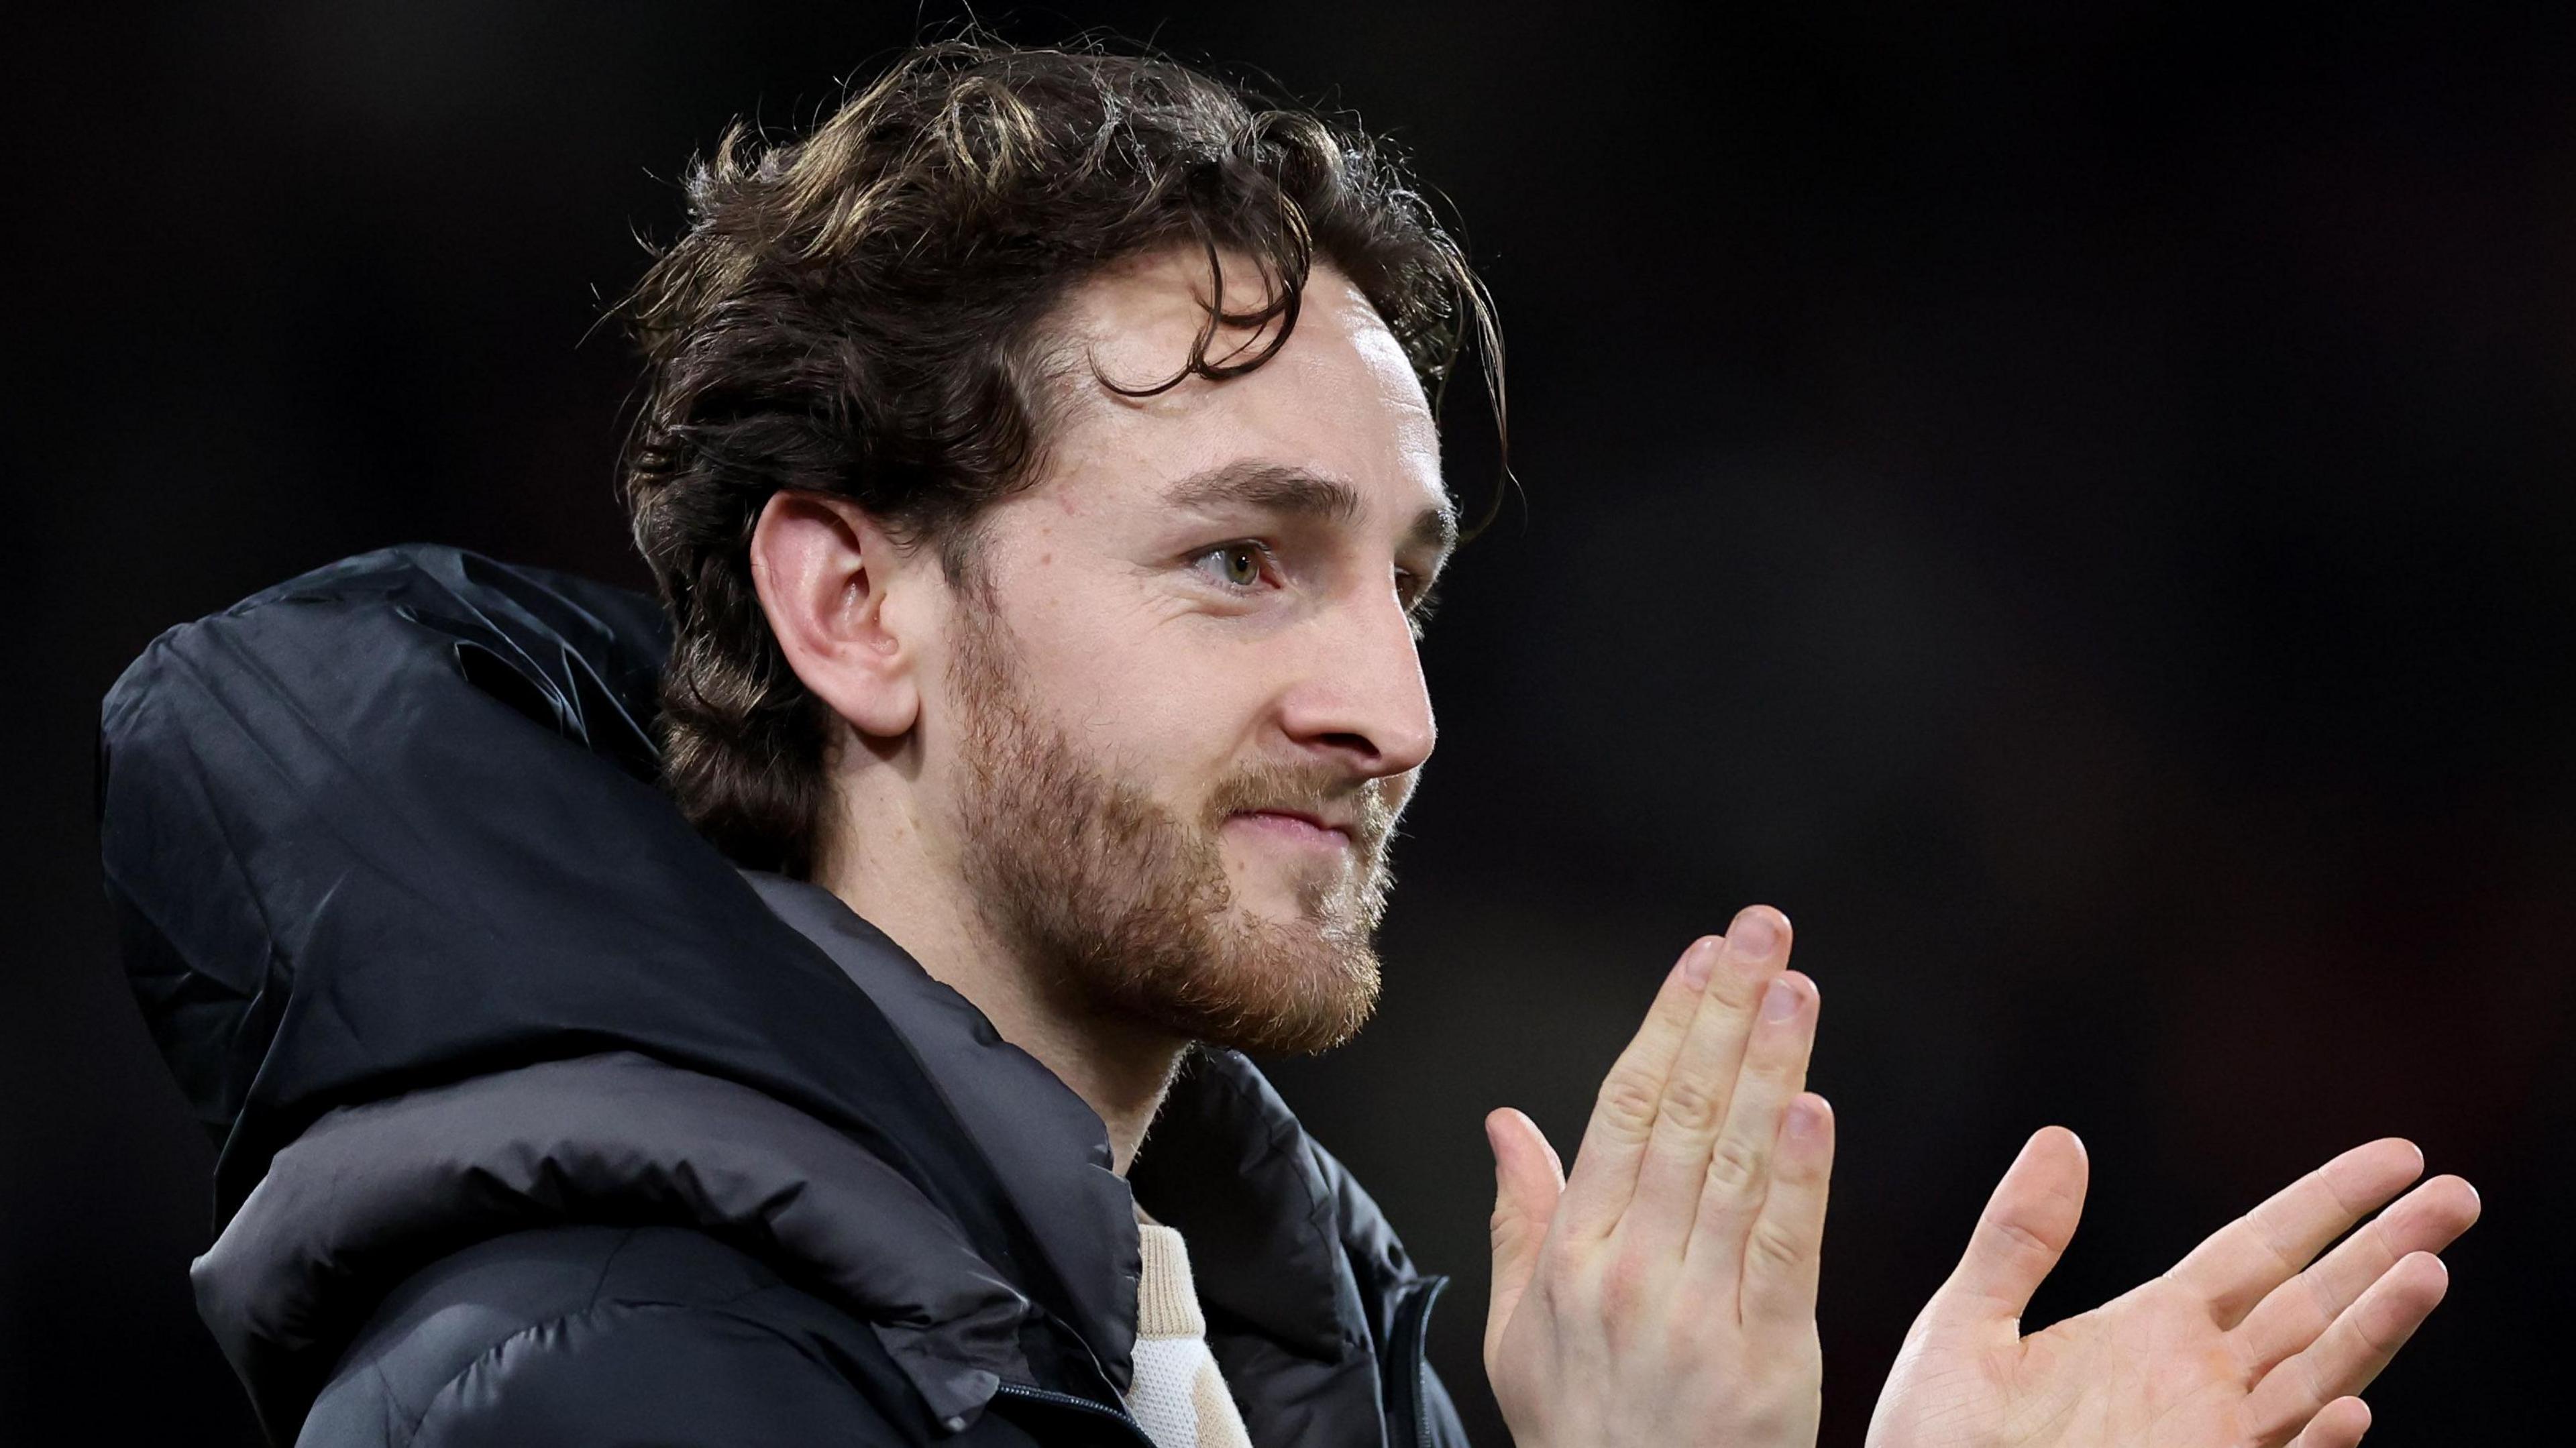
pixel 1226 1163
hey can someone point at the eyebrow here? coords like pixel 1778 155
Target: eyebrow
pixel 1288 491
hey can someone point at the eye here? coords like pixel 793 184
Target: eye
pixel 1420 602
pixel 1417 595
pixel 1236 565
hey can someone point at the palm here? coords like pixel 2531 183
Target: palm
pixel 2235 1347
pixel 2147 1368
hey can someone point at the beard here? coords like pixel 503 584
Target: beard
pixel 1125 902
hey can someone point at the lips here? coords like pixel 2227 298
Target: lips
pixel 1298 819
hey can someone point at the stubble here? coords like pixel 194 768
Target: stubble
pixel 1128 903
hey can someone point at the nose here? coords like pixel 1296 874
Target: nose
pixel 1360 695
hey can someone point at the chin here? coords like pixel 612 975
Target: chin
pixel 1277 908
pixel 1317 1006
pixel 1275 976
pixel 1289 894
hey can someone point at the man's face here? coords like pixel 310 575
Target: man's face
pixel 1181 686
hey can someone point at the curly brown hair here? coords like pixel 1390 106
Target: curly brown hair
pixel 860 312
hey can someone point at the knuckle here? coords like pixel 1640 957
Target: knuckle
pixel 1737 993
pixel 1736 1166
pixel 2277 1242
pixel 1775 1244
pixel 2316 1299
pixel 1627 1104
pixel 2377 1335
pixel 1690 1103
pixel 2015 1239
pixel 2339 1192
pixel 2315 1391
pixel 1627 1281
pixel 1773 1056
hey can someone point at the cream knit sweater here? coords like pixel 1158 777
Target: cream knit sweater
pixel 1177 1392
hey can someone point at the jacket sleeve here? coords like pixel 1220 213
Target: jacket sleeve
pixel 622 1373
pixel 605 1337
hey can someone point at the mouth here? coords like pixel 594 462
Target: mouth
pixel 1297 826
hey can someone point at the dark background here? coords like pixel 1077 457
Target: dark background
pixel 2072 502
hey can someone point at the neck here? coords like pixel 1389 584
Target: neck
pixel 1118 1066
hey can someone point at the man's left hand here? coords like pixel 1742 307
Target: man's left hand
pixel 2241 1345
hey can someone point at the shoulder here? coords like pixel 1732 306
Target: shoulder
pixel 587 1335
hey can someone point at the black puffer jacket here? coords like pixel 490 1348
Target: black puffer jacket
pixel 542 1124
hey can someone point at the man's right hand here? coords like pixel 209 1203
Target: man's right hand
pixel 1666 1294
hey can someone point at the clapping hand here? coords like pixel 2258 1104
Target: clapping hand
pixel 1666 1295
pixel 2242 1344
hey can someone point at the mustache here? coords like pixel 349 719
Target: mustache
pixel 1370 803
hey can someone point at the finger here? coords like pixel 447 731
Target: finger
pixel 2259 1251
pixel 1782 1251
pixel 1706 1075
pixel 2022 1232
pixel 2349 1354
pixel 1738 1174
pixel 1527 1183
pixel 1623 1115
pixel 2426 1219
pixel 2339 1424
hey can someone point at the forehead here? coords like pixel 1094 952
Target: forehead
pixel 1339 400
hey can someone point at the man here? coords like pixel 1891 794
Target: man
pixel 1043 489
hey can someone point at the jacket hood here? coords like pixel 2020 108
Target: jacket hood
pixel 434 959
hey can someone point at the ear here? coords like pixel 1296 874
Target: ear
pixel 823 569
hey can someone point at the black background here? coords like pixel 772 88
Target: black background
pixel 2071 502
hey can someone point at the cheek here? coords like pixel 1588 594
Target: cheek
pixel 1181 712
pixel 1171 703
pixel 1140 683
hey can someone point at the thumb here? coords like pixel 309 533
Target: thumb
pixel 1528 1179
pixel 2021 1234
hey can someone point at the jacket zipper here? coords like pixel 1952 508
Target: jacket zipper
pixel 1078 1404
pixel 1407 1350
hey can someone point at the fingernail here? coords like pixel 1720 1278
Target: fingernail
pixel 1779 1000
pixel 1753 936
pixel 1697 961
